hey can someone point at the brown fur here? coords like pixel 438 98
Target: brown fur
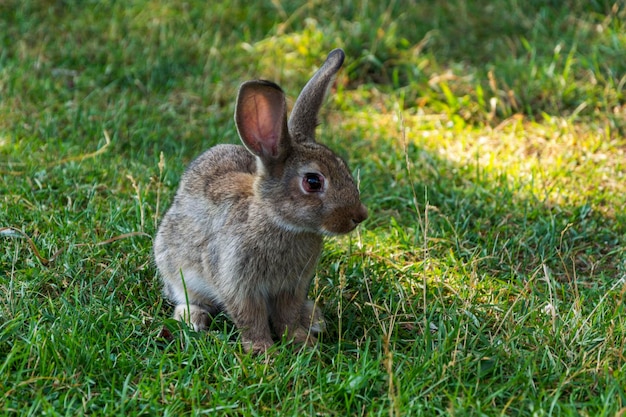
pixel 242 234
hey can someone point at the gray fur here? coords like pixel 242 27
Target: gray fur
pixel 243 234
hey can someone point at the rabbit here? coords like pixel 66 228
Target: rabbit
pixel 245 230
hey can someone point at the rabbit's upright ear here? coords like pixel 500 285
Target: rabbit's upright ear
pixel 261 119
pixel 303 119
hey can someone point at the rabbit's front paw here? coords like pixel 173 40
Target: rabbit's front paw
pixel 257 347
pixel 302 336
pixel 311 317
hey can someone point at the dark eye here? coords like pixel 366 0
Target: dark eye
pixel 313 183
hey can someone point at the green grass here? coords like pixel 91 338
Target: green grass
pixel 489 142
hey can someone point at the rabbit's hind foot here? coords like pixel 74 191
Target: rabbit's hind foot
pixel 194 315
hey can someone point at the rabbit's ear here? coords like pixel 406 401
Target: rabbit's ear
pixel 260 116
pixel 303 119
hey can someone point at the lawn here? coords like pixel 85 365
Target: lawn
pixel 488 139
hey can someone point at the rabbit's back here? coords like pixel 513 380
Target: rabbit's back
pixel 215 189
pixel 224 172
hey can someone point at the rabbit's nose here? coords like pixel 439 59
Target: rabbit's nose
pixel 360 214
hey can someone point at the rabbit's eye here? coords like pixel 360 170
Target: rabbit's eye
pixel 313 183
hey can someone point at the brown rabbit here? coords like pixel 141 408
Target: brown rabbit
pixel 245 230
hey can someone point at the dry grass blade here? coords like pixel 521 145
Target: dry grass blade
pixel 13 232
pixel 76 158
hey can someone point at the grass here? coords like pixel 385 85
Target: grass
pixel 489 142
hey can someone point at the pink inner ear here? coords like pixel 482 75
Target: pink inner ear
pixel 268 124
pixel 262 114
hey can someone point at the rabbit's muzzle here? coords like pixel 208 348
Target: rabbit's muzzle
pixel 344 219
